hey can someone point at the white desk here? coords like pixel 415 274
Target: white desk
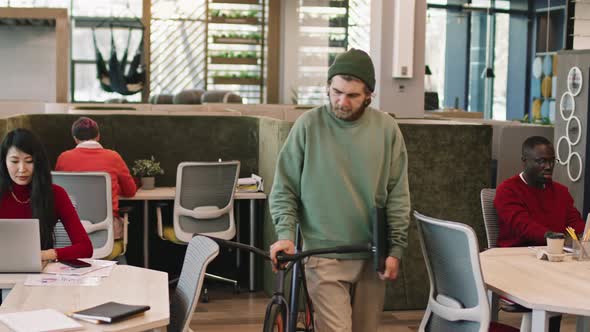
pixel 126 284
pixel 543 286
pixel 168 194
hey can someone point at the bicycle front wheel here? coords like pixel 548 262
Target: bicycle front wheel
pixel 275 319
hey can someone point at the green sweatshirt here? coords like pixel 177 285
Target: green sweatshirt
pixel 332 173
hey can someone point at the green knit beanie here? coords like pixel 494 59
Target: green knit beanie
pixel 355 63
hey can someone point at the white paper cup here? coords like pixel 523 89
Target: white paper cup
pixel 555 246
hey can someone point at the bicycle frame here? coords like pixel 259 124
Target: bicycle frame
pixel 290 308
pixel 292 303
pixel 297 280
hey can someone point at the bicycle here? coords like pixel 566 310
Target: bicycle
pixel 282 315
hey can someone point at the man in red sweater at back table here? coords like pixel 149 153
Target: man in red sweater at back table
pixel 90 156
pixel 530 204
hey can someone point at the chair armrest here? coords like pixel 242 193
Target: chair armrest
pixel 91 228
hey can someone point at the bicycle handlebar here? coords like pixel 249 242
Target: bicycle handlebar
pixel 284 258
pixel 357 248
pixel 226 243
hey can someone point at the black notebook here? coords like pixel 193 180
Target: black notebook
pixel 380 239
pixel 109 312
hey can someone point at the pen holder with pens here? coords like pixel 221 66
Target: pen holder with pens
pixel 581 250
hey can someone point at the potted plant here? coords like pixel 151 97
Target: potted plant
pixel 147 169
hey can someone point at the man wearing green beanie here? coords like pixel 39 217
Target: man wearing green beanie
pixel 340 162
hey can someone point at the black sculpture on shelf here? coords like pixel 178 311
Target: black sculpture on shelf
pixel 116 77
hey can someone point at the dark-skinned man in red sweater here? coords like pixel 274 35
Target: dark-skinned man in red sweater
pixel 530 204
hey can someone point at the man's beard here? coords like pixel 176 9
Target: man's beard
pixel 347 114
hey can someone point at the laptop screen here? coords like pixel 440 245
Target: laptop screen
pixel 20 246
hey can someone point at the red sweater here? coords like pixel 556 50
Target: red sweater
pixel 100 160
pixel 11 209
pixel 525 212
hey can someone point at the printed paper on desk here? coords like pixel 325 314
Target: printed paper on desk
pixel 39 320
pixel 101 273
pixel 60 280
pixel 62 269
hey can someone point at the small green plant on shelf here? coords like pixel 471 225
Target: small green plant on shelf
pixel 236 55
pixel 254 35
pixel 338 21
pixel 337 42
pixel 337 3
pixel 147 168
pixel 242 74
pixel 217 13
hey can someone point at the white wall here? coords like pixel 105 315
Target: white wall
pixel 582 27
pixel 404 97
pixel 28 63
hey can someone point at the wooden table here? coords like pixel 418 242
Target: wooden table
pixel 168 194
pixel 126 284
pixel 545 287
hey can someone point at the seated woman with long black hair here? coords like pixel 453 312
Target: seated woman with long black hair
pixel 26 192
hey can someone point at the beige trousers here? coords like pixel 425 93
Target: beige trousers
pixel 347 295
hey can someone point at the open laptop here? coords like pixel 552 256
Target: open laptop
pixel 20 246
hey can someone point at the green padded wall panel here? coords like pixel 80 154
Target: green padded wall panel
pixel 171 139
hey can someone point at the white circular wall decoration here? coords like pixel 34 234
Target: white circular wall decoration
pixel 567 104
pixel 569 129
pixel 575 81
pixel 569 167
pixel 560 141
pixel 573 127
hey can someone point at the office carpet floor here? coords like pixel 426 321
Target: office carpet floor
pixel 244 312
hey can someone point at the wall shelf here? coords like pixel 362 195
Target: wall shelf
pixel 319 30
pixel 233 61
pixel 245 2
pixel 235 40
pixel 236 80
pixel 324 3
pixel 235 20
pixel 235 35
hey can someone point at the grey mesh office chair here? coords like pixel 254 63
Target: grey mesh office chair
pixel 457 300
pixel 90 193
pixel 200 252
pixel 204 203
pixel 490 218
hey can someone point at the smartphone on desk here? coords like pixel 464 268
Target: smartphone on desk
pixel 75 263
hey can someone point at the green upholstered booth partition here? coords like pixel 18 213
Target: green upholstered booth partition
pixel 448 166
pixel 170 139
pixel 273 134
